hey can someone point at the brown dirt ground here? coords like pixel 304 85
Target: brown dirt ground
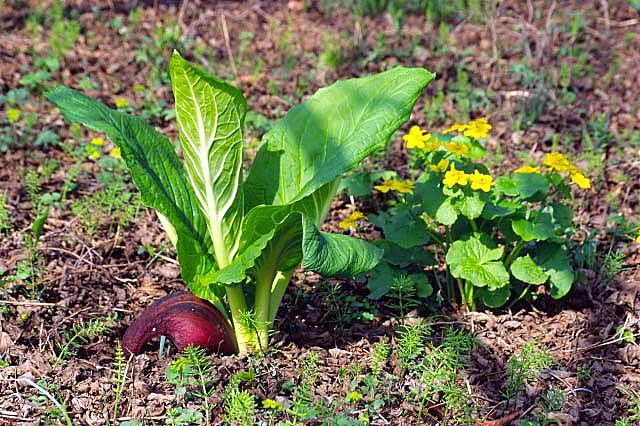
pixel 87 278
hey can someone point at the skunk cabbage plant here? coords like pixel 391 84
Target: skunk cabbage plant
pixel 239 238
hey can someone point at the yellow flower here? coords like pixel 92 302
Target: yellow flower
pixel 638 237
pixel 477 128
pixel 558 162
pixel 122 103
pixel 481 181
pixel 138 88
pixel 416 138
pixel 580 180
pixel 97 141
pixel 431 145
pixel 454 176
pixel 456 127
pixel 405 187
pixel 354 396
pixel 271 404
pixel 440 167
pixel 13 115
pixel 115 152
pixel 351 220
pixel 456 148
pixel 93 152
pixel 527 169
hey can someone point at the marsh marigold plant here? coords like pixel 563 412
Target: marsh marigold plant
pixel 501 236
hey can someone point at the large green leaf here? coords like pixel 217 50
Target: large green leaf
pixel 474 261
pixel 403 257
pixel 495 298
pixel 562 215
pixel 538 228
pixel 526 270
pixel 156 170
pixel 523 185
pixel 266 228
pixel 272 237
pixel 380 280
pixel 435 203
pixel 330 133
pixel 210 114
pixel 471 205
pixel 336 254
pixel 405 228
pixel 554 261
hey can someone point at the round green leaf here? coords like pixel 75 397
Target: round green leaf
pixel 475 262
pixel 471 205
pixel 532 231
pixel 554 261
pixel 526 270
pixel 495 298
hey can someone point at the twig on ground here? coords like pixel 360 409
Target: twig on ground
pixel 227 44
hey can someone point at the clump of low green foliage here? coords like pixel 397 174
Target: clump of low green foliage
pixel 500 237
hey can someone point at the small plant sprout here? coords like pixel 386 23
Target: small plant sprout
pixel 239 239
pixel 120 366
pixel 81 333
pixel 525 367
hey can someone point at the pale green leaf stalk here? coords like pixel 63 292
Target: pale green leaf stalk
pixel 238 243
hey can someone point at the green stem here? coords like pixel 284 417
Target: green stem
pixel 522 294
pixel 463 294
pixel 435 237
pixel 471 303
pixel 245 339
pixel 512 255
pixel 280 284
pixel 262 306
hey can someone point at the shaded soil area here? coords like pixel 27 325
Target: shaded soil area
pixel 545 80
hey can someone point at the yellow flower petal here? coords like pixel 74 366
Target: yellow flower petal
pixel 477 129
pixel 97 141
pixel 453 177
pixel 122 103
pixel 558 162
pixel 481 181
pixel 456 148
pixel 115 152
pixel 416 138
pixel 384 188
pixel 431 145
pixel 351 220
pixel 440 167
pixel 527 169
pixel 580 180
pixel 405 187
pixel 456 127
